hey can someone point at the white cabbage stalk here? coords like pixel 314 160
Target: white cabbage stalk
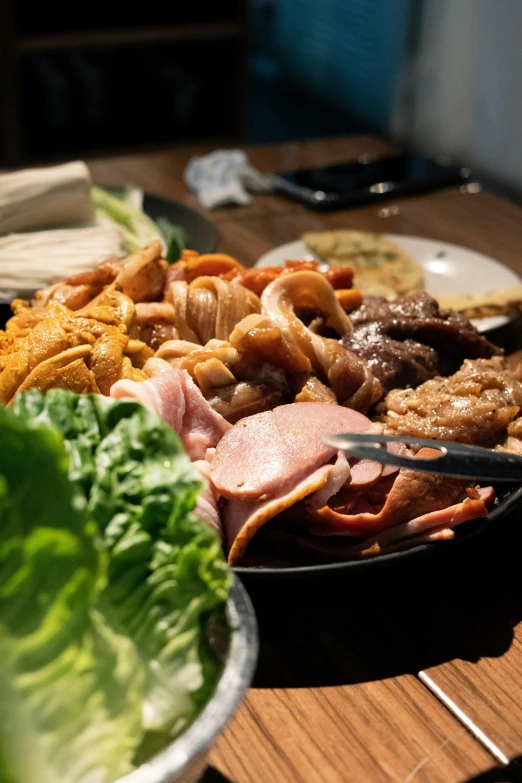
pixel 126 210
pixel 34 199
pixel 32 261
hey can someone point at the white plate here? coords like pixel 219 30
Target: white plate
pixel 450 270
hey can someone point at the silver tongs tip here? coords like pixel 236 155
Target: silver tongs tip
pixel 455 459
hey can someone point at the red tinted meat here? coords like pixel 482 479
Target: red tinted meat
pixel 175 396
pixel 276 449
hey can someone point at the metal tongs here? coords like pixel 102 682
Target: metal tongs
pixel 456 459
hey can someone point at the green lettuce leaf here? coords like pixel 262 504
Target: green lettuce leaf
pixel 167 577
pixel 71 687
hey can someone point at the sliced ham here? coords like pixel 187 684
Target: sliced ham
pixel 175 396
pixel 394 447
pixel 250 458
pixel 272 461
pixel 444 518
pixel 364 473
pixel 207 499
pixel 242 519
pixel 412 494
pixel 339 474
pixel 276 461
pixel 277 449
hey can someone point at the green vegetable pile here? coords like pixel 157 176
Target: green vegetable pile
pixel 109 589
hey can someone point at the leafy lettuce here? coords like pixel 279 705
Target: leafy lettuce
pixel 109 589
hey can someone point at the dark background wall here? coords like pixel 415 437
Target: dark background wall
pixel 118 77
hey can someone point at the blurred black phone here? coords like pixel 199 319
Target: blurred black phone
pixel 368 179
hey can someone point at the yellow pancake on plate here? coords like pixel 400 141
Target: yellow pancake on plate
pixel 380 267
pixel 497 302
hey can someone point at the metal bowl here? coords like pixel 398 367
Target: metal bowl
pixel 184 761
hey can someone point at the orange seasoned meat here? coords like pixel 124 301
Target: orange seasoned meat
pixel 67 370
pixel 84 351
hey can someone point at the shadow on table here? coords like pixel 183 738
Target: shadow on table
pixel 401 618
pixel 212 775
pixel 512 773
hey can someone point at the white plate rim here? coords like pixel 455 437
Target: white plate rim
pixel 297 249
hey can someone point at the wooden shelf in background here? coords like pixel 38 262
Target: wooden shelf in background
pixel 132 36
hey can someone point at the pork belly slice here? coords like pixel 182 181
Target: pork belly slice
pixel 174 395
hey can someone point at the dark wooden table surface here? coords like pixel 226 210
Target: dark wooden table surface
pixel 410 673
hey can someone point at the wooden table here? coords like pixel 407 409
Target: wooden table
pixel 400 674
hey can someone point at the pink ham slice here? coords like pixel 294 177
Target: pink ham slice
pixel 175 396
pixel 242 519
pixel 394 448
pixel 207 500
pixel 442 519
pixel 276 462
pixel 273 460
pixel 412 494
pixel 275 450
pixel 339 474
pixel 364 473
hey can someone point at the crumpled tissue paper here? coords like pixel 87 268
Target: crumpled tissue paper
pixel 225 177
